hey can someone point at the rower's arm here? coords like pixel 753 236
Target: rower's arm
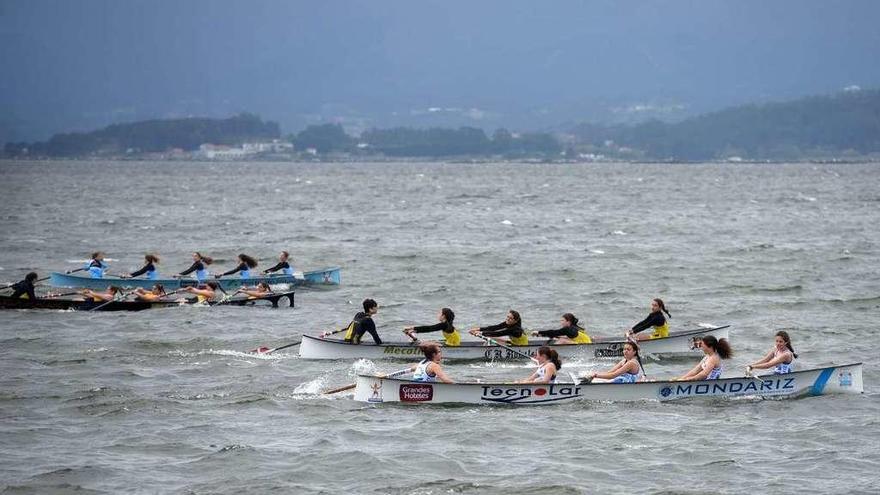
pixel 237 269
pixel 430 328
pixel 275 268
pixel 764 364
pixel 440 374
pixel 653 320
pixel 189 270
pixel 554 333
pixel 140 272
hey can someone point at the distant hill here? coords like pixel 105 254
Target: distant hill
pixel 840 125
pixel 152 136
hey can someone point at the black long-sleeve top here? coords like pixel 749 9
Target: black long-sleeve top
pixel 365 324
pixel 502 330
pixel 654 319
pixel 198 265
pixel 280 266
pixel 146 268
pixel 24 287
pixel 570 331
pixel 241 266
pixel 443 326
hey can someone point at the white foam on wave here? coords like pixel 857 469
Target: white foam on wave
pixel 597 251
pixel 507 222
pixel 312 387
pixel 363 366
pixel 619 232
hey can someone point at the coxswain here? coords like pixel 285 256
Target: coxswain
pixel 781 357
pixel 363 323
pixel 245 263
pixel 108 295
pixel 205 292
pixel 511 327
pixel 199 266
pixel 655 320
pixel 283 265
pixel 149 268
pixel 152 295
pixel 628 370
pixel 429 369
pixel 261 290
pixel 96 266
pixel 451 337
pixel 569 333
pixel 25 287
pixel 548 364
pixel 710 366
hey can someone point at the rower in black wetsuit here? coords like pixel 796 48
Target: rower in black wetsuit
pixel 569 333
pixel 655 320
pixel 25 287
pixel 283 265
pixel 245 263
pixel 451 337
pixel 363 323
pixel 510 327
pixel 199 266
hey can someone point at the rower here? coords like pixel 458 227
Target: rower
pixel 511 327
pixel 655 320
pixel 548 364
pixel 710 366
pixel 205 292
pixel 152 295
pixel 283 265
pixel 451 337
pixel 363 323
pixel 570 333
pixel 96 266
pixel 429 369
pixel 108 295
pixel 781 357
pixel 245 263
pixel 628 370
pixel 149 268
pixel 25 288
pixel 200 263
pixel 261 290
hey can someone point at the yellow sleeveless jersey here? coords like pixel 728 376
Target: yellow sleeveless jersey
pixel 661 331
pixel 521 340
pixel 452 339
pixel 582 338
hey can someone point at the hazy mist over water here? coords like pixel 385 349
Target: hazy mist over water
pixel 166 401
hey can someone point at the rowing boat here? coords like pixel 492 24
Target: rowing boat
pixel 819 381
pixel 316 278
pixel 273 300
pixel 677 344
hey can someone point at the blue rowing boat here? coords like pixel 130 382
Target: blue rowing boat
pixel 327 277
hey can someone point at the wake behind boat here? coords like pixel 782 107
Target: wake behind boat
pixel 326 277
pixel 677 344
pixel 844 379
pixel 271 300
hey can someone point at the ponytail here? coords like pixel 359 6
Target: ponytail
pixel 722 347
pixel 787 339
pixel 662 307
pixel 551 355
pixel 430 349
pixel 450 317
pixel 249 261
pixel 571 319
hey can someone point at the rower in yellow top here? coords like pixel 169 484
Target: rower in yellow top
pixel 25 288
pixel 108 295
pixel 451 337
pixel 570 333
pixel 511 328
pixel 363 323
pixel 152 295
pixel 207 292
pixel 261 290
pixel 655 320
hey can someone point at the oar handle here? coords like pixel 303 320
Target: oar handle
pixel 499 344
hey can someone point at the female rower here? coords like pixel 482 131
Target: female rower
pixel 781 357
pixel 205 292
pixel 548 364
pixel 261 290
pixel 245 263
pixel 283 265
pixel 451 337
pixel 655 319
pixel 149 268
pixel 570 333
pixel 25 287
pixel 96 266
pixel 200 266
pixel 510 327
pixel 429 369
pixel 710 367
pixel 152 295
pixel 105 296
pixel 628 370
pixel 363 323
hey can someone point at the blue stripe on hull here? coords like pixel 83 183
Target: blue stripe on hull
pixel 821 381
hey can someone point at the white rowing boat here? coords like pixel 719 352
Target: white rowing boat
pixel 678 344
pixel 819 381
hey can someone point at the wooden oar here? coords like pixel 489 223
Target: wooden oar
pixel 35 281
pixel 353 385
pixel 499 344
pixel 267 350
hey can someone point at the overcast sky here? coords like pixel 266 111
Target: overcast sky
pixel 78 65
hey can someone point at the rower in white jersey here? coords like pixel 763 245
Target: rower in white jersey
pixel 628 370
pixel 548 364
pixel 429 369
pixel 781 357
pixel 710 367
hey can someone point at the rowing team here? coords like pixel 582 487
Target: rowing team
pixel 510 331
pixel 629 370
pixel 97 267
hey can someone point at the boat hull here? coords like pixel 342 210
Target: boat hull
pixel 6 302
pixel 819 381
pixel 316 278
pixel 679 344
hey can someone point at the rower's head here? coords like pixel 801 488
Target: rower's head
pixel 569 320
pixel 284 256
pixel 263 286
pixel 97 256
pixel 546 353
pixel 213 285
pixel 630 350
pixel 151 258
pixel 658 305
pixel 370 307
pixel 247 260
pixel 158 289
pixel 711 344
pixel 446 315
pixel 31 277
pixel 432 351
pixel 114 289
pixel 783 341
pixel 513 318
